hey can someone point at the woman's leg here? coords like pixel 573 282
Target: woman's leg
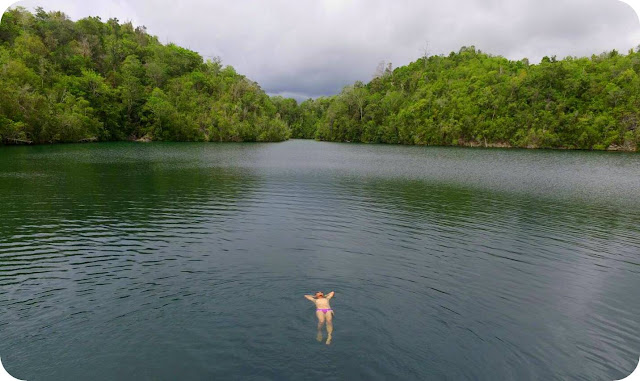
pixel 320 316
pixel 329 317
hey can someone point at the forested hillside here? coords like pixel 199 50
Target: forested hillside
pixel 89 80
pixel 65 81
pixel 473 99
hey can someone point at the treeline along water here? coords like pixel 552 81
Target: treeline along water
pixel 471 98
pixel 189 261
pixel 90 80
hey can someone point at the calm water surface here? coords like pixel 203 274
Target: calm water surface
pixel 190 261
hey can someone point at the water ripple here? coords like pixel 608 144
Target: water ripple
pixel 455 263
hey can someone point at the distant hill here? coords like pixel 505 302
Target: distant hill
pixel 470 98
pixel 89 80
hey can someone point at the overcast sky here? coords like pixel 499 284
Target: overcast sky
pixel 310 48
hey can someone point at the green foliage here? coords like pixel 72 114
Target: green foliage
pixel 65 81
pixel 473 99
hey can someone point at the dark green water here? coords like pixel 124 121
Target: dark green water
pixel 190 261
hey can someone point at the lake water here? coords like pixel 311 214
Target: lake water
pixel 169 261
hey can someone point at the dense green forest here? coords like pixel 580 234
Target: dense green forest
pixel 470 98
pixel 65 81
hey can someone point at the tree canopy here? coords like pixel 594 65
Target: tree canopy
pixel 470 98
pixel 89 80
pixel 65 81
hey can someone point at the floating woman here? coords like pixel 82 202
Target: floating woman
pixel 323 312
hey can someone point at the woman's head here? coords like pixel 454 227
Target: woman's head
pixel 319 294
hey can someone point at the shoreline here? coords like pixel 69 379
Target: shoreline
pixel 472 145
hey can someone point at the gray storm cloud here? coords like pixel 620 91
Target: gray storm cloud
pixel 310 48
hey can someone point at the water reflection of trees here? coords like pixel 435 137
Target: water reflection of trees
pixel 85 200
pixel 455 203
pixel 593 227
pixel 49 184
